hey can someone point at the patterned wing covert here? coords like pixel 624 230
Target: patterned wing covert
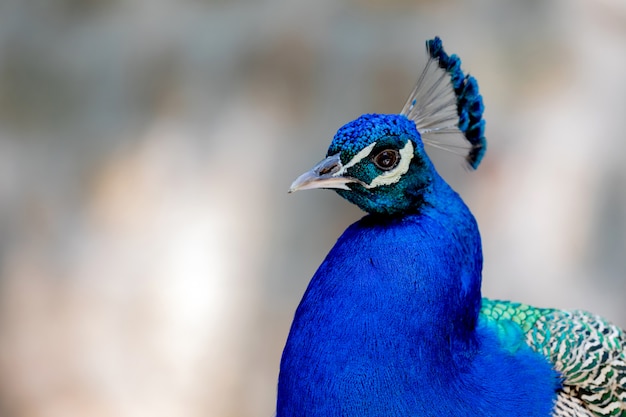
pixel 588 351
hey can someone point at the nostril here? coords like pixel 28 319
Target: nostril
pixel 327 170
pixel 328 167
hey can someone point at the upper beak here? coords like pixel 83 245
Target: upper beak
pixel 326 174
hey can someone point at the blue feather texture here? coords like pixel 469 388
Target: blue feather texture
pixel 393 322
pixel 388 327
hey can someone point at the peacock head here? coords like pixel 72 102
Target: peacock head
pixel 378 161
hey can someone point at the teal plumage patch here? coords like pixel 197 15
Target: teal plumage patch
pixel 588 351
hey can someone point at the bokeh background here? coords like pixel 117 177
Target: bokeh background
pixel 150 256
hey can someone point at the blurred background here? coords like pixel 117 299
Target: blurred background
pixel 150 256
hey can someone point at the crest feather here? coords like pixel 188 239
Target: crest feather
pixel 445 100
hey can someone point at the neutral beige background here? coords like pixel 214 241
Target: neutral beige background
pixel 150 257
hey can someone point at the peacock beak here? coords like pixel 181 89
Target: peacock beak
pixel 326 174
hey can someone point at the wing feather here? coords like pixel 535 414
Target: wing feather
pixel 588 351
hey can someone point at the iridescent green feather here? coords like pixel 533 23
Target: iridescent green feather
pixel 588 351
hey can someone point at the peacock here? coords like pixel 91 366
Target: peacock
pixel 393 322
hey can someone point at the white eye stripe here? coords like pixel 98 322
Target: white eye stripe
pixel 394 175
pixel 363 153
pixel 388 177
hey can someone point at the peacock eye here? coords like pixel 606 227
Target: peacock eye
pixel 387 159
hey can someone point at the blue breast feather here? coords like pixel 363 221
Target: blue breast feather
pixel 390 324
pixel 365 344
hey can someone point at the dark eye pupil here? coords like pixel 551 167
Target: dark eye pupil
pixel 387 159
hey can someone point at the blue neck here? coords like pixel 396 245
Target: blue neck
pixel 408 285
pixel 388 324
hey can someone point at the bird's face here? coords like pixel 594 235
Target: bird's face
pixel 376 162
